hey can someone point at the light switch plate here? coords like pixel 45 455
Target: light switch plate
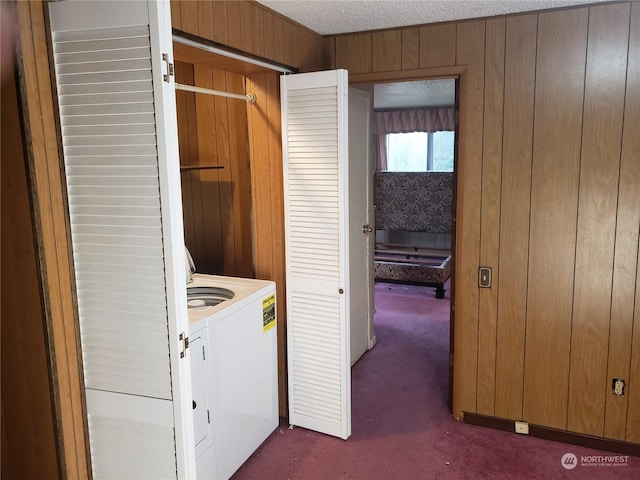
pixel 484 277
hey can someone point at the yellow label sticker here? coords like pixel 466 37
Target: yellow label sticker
pixel 268 313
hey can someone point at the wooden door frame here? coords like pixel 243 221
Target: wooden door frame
pixel 51 225
pixel 456 73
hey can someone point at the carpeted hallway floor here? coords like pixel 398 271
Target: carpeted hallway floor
pixel 401 424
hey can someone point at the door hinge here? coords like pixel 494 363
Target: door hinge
pixel 167 76
pixel 185 344
pixel 208 417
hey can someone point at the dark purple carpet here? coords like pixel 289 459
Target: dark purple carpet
pixel 401 424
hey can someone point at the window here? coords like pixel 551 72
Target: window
pixel 420 152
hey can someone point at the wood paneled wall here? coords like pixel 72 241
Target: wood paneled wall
pixel 267 193
pixel 212 131
pixel 252 28
pixel 548 196
pixel 28 423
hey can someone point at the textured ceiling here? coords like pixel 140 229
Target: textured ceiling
pixel 426 93
pixel 328 17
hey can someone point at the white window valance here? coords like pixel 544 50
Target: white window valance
pixel 414 120
pixel 406 121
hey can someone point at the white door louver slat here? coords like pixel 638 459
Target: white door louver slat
pixel 135 31
pixel 317 132
pixel 120 258
pixel 125 346
pixel 106 120
pixel 304 175
pixel 303 203
pixel 107 318
pixel 105 56
pixel 108 109
pixel 122 298
pixel 131 193
pixel 122 293
pixel 116 65
pixel 315 258
pixel 99 78
pixel 145 242
pixel 111 150
pixel 88 170
pixel 108 130
pixel 106 230
pixel 115 179
pixel 314 144
pixel 107 98
pixel 327 201
pixel 321 400
pixel 126 161
pixel 122 213
pixel 321 254
pixel 109 44
pixel 100 89
pixel 306 209
pixel 304 225
pixel 308 346
pixel 320 215
pixel 82 70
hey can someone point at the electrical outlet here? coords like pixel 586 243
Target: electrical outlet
pixel 522 427
pixel 617 386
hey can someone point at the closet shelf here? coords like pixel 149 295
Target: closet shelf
pixel 201 167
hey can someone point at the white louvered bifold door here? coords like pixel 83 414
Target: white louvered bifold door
pixel 119 138
pixel 314 126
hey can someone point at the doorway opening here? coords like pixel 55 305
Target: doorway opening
pixel 414 189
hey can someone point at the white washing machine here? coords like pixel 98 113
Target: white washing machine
pixel 234 369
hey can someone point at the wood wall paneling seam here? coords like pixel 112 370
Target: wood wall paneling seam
pixel 517 135
pixel 470 52
pixel 562 40
pixel 490 210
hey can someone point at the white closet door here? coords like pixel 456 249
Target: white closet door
pixel 314 129
pixel 119 134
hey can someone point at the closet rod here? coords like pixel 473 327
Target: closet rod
pixel 251 97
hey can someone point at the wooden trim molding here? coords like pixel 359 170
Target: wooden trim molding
pixel 406 75
pixel 547 433
pixel 50 224
pixel 29 434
